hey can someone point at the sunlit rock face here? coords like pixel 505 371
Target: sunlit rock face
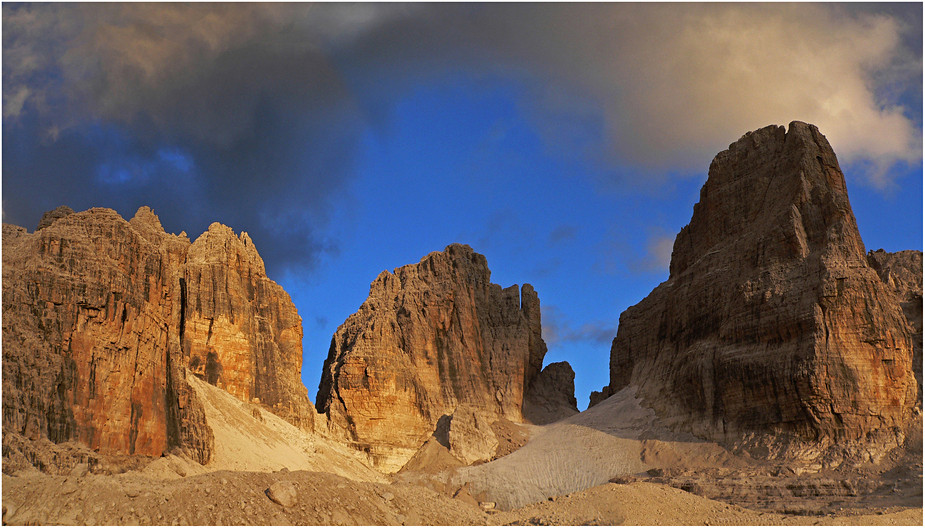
pixel 432 341
pixel 241 331
pixel 902 273
pixel 103 319
pixel 773 331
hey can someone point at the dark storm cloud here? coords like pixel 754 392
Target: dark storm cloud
pixel 205 113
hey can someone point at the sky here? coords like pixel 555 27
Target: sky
pixel 565 142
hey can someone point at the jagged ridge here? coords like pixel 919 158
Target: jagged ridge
pixel 436 344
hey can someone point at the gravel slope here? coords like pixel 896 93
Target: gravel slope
pixel 616 437
pixel 248 438
pixel 267 472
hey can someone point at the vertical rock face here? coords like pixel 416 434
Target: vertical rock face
pixel 94 343
pixel 772 321
pixel 241 331
pixel 432 337
pixel 551 395
pixel 88 304
pixel 902 273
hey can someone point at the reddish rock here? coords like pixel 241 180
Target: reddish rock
pixel 94 311
pixel 432 337
pixel 241 331
pixel 772 326
pixel 87 304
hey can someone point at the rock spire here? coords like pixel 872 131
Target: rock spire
pixel 772 324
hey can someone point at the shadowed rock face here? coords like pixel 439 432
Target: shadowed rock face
pixel 551 395
pixel 432 338
pixel 772 320
pixel 103 318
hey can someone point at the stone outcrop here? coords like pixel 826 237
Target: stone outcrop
pixel 772 329
pixel 902 273
pixel 432 339
pixel 551 396
pixel 470 436
pixel 103 319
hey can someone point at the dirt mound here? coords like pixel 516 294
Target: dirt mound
pixel 653 504
pixel 226 497
pixel 248 438
pixel 432 457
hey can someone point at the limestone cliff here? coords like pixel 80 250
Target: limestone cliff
pixel 772 326
pixel 241 331
pixel 902 273
pixel 102 320
pixel 434 342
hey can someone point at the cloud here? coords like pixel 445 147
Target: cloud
pixel 268 102
pixel 676 84
pixel 557 329
pixel 562 234
pixel 657 257
pixel 203 112
pixel 679 83
pixel 673 81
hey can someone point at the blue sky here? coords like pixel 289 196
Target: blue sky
pixel 566 143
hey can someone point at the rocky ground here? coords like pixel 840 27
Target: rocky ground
pixel 316 498
pixel 587 469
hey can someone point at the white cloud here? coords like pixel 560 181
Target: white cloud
pixel 12 104
pixel 679 83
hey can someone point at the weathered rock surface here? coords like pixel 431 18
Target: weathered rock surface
pixel 50 216
pixel 432 338
pixel 96 339
pixel 241 331
pixel 551 396
pixel 470 436
pixel 283 493
pixel 772 325
pixel 902 273
pixel 87 304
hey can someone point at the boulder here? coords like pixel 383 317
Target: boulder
pixel 284 493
